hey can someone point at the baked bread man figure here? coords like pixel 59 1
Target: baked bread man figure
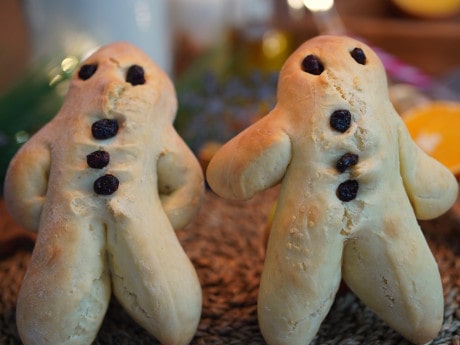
pixel 105 183
pixel 353 185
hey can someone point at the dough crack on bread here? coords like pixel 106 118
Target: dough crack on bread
pixel 338 147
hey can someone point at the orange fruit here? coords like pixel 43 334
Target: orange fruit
pixel 428 8
pixel 435 128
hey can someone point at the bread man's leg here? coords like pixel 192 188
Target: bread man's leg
pixel 66 290
pixel 153 278
pixel 392 270
pixel 300 279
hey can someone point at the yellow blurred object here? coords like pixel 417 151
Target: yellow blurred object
pixel 435 128
pixel 264 49
pixel 206 152
pixel 428 8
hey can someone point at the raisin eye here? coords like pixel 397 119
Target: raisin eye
pixel 358 55
pixel 135 75
pixel 312 65
pixel 87 71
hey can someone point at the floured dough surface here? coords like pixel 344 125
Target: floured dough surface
pixel 353 184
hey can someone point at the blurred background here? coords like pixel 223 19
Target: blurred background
pixel 223 55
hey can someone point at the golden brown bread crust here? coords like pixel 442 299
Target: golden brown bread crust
pixel 358 223
pixel 95 240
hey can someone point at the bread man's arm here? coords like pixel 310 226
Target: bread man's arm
pixel 26 182
pixel 431 187
pixel 254 160
pixel 180 181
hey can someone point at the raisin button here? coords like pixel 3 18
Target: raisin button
pixel 135 75
pixel 346 161
pixel 87 71
pixel 312 65
pixel 104 129
pixel 340 120
pixel 106 185
pixel 98 159
pixel 347 190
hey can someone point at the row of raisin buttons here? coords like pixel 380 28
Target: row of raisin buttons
pixel 103 129
pixel 340 120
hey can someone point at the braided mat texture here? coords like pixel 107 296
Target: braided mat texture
pixel 226 245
